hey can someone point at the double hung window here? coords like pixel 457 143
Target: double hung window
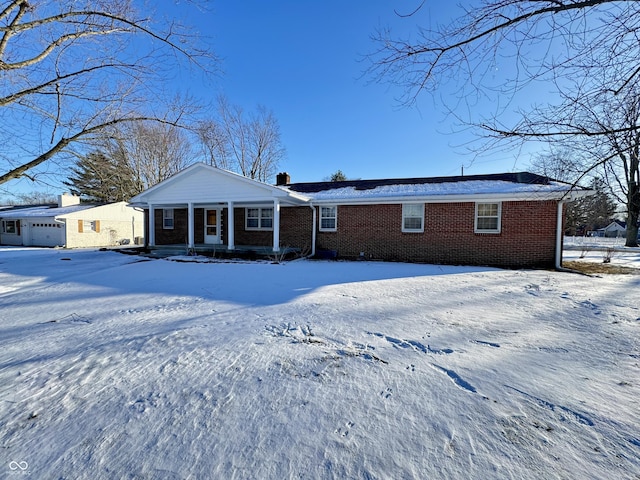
pixel 167 218
pixel 488 217
pixel 328 219
pixel 259 218
pixel 413 217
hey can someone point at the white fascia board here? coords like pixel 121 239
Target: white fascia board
pixel 285 200
pixel 154 194
pixel 484 197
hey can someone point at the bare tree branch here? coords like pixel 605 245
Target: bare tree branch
pixel 69 70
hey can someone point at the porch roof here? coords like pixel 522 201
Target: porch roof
pixel 202 184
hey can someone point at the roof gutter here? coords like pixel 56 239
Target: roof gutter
pixel 458 198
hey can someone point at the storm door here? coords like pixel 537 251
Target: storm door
pixel 212 226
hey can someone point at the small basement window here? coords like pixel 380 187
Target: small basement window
pixel 413 217
pixel 488 217
pixel 328 219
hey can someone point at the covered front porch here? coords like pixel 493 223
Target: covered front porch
pixel 203 208
pixel 215 226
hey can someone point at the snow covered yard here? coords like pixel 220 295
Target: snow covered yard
pixel 113 367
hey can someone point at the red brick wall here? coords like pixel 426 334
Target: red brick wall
pixel 527 236
pixel 176 235
pixel 180 231
pixel 296 224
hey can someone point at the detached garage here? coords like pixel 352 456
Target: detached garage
pixel 70 224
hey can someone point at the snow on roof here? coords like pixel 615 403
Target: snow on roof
pixel 420 190
pixel 523 183
pixel 44 211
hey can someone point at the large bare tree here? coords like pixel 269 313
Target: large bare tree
pixel 585 53
pixel 71 68
pixel 248 143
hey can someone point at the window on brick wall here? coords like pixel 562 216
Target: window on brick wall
pixel 488 216
pixel 413 217
pixel 167 218
pixel 328 219
pixel 258 218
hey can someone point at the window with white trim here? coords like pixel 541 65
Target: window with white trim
pixel 328 219
pixel 167 218
pixel 413 217
pixel 258 218
pixel 488 216
pixel 10 226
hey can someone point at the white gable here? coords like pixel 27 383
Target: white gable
pixel 202 183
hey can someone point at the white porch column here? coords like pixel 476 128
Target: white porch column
pixel 230 227
pixel 152 226
pixel 191 220
pixel 276 225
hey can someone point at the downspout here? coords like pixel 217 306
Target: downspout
pixel 559 236
pixel 313 230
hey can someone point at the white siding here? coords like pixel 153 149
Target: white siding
pixel 103 226
pixel 201 186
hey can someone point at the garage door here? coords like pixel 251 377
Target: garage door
pixel 46 234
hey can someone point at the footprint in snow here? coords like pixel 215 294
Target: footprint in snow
pixel 386 393
pixel 344 431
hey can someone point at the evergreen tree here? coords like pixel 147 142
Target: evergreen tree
pixel 99 178
pixel 590 213
pixel 338 176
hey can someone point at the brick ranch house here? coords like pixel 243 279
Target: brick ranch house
pixel 509 220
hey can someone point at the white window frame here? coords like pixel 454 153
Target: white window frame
pixel 264 218
pixel 407 214
pixel 5 225
pixel 329 212
pixel 168 219
pixel 498 217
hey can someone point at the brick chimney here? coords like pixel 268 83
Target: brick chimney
pixel 283 178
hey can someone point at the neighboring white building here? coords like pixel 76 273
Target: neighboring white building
pixel 615 229
pixel 72 225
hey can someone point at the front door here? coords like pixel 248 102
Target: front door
pixel 212 226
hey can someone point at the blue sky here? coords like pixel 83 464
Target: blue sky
pixel 304 61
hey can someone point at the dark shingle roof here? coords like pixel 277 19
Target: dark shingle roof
pixel 520 177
